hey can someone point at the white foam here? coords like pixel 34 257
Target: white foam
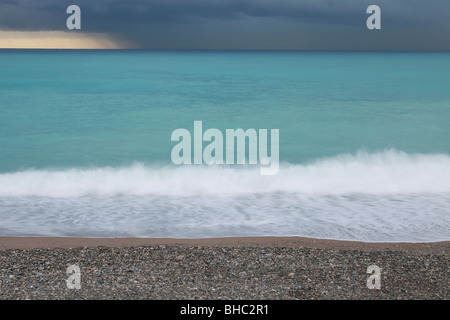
pixel 387 172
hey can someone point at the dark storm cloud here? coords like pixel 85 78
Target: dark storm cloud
pixel 245 24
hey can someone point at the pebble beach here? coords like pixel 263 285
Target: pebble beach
pixel 231 268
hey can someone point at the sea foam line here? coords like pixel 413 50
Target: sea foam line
pixel 387 172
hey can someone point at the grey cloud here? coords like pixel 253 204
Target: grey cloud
pixel 244 24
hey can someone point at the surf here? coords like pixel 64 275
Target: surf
pixel 387 172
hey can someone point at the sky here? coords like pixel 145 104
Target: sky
pixel 407 25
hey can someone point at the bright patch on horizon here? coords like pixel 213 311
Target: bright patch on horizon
pixel 56 40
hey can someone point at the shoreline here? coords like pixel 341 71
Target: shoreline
pixel 29 243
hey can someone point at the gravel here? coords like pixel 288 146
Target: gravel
pixel 221 272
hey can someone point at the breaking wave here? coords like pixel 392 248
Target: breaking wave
pixel 387 172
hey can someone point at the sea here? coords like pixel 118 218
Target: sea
pixel 364 144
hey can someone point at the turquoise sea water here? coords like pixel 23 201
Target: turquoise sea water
pixel 364 144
